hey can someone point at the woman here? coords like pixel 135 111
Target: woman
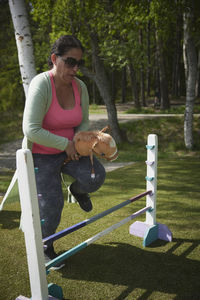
pixel 56 108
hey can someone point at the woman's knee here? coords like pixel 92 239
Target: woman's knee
pixel 91 184
pixel 82 171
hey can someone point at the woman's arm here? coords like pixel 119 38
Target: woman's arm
pixel 37 104
pixel 84 126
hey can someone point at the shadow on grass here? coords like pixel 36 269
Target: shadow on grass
pixel 9 219
pixel 123 264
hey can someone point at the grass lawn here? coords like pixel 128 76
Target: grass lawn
pixel 10 126
pixel 117 266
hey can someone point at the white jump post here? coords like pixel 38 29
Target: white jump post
pixel 150 230
pixel 151 178
pixel 31 227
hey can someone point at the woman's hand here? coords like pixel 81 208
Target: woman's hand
pixel 71 151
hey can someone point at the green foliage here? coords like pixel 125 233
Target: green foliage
pixel 11 90
pixel 164 15
pixel 117 25
pixel 40 17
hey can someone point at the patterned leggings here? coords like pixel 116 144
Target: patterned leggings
pixel 49 186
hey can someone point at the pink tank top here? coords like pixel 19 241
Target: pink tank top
pixel 60 121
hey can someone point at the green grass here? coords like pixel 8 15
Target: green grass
pixel 5 176
pixel 180 109
pixel 10 126
pixel 170 138
pixel 97 109
pixel 117 266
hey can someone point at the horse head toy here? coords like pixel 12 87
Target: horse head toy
pixel 99 143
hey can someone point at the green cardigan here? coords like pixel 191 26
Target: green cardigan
pixel 37 104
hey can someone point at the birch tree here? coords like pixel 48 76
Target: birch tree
pixel 25 56
pixel 190 63
pixel 23 41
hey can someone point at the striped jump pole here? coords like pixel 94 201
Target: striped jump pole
pixel 77 226
pixel 93 239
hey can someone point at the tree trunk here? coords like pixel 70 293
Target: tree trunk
pixel 165 104
pixel 197 88
pixel 157 89
pixel 176 59
pixel 104 86
pixel 93 93
pixel 149 58
pixel 93 88
pixel 113 85
pixel 124 83
pixel 191 73
pixel 25 56
pixel 142 87
pixel 23 41
pixel 134 85
pixel 142 79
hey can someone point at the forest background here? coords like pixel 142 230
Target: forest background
pixel 135 51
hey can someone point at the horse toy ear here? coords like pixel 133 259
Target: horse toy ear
pixel 107 128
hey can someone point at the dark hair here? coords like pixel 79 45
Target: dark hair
pixel 63 45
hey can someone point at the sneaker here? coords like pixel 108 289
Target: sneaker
pixel 50 254
pixel 83 200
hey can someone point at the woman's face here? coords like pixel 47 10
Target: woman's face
pixel 67 65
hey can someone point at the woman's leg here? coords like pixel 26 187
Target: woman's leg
pixel 49 189
pixel 81 171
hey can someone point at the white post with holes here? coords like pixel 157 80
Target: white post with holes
pixel 151 178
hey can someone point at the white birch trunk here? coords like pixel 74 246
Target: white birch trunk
pixel 25 56
pixel 191 63
pixel 23 41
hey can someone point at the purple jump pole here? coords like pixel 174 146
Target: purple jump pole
pixel 94 238
pixel 77 226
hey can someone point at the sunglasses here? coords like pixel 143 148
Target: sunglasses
pixel 71 62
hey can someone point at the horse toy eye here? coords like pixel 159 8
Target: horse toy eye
pixel 102 154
